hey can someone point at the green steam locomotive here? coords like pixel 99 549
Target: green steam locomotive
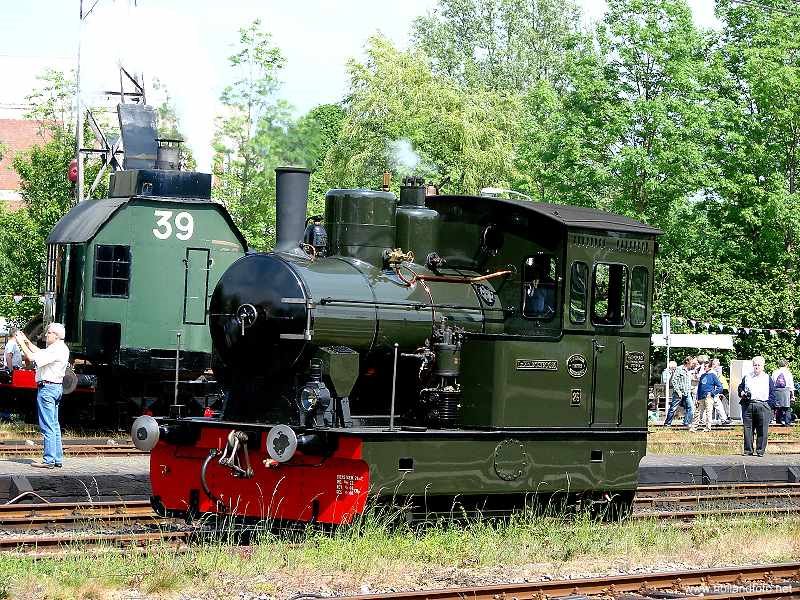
pixel 432 347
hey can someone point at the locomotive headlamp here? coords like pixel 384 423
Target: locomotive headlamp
pixel 145 433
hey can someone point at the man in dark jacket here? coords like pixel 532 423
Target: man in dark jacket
pixel 757 394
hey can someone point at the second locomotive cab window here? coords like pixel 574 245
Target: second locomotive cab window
pixel 639 297
pixel 539 286
pixel 112 271
pixel 577 292
pixel 609 293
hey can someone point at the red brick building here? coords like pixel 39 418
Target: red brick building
pixel 16 135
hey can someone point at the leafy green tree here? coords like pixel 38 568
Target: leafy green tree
pixel 654 60
pixel 52 102
pixel 569 133
pixel 243 181
pixel 303 142
pixel 20 266
pixel 466 139
pixel 750 225
pixel 506 45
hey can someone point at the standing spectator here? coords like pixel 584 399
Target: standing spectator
pixel 784 392
pixel 757 391
pixel 666 374
pixel 708 388
pixel 716 367
pixel 12 357
pixel 698 370
pixel 51 364
pixel 681 392
pixel 719 404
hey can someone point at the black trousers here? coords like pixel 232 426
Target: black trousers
pixel 755 419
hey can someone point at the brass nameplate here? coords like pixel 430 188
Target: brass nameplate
pixel 526 364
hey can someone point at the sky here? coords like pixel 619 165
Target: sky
pixel 185 43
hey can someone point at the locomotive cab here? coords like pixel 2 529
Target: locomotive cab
pixel 441 346
pixel 129 273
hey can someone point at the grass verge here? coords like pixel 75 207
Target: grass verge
pixel 378 556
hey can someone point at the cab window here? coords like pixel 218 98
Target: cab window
pixel 639 297
pixel 609 292
pixel 112 269
pixel 577 292
pixel 539 286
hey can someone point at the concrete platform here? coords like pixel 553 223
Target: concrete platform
pixel 110 478
pixel 89 478
pixel 659 469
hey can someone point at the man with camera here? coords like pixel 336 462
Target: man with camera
pixel 756 395
pixel 51 366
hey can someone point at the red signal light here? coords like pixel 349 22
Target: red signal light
pixel 73 170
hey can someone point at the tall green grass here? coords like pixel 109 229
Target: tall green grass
pixel 382 549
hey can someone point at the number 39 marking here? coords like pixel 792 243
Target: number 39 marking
pixel 184 223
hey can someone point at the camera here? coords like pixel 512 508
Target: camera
pixel 745 397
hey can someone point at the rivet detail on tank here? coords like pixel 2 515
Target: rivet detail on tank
pixel 576 365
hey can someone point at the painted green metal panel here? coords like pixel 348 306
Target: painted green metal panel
pixel 196 288
pixel 450 465
pixel 159 233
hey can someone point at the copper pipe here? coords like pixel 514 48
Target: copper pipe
pixel 453 279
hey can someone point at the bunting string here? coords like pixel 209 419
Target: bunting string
pixel 712 327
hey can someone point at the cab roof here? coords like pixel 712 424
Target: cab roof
pixel 86 218
pixel 572 217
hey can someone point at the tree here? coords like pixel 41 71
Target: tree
pixel 243 182
pixel 569 132
pixel 654 60
pixel 305 142
pixel 52 102
pixel 466 139
pixel 508 45
pixel 21 262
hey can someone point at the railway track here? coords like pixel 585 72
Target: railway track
pixel 60 524
pixel 7 450
pixel 759 581
pixel 24 517
pixel 14 543
pixel 776 499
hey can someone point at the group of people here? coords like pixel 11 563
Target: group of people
pixel 699 386
pixel 51 365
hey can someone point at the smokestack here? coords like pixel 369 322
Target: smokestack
pixel 291 200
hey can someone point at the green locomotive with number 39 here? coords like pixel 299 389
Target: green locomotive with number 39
pixel 130 276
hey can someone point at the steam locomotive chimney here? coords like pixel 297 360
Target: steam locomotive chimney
pixel 291 200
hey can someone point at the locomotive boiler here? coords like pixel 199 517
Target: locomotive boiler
pixel 428 347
